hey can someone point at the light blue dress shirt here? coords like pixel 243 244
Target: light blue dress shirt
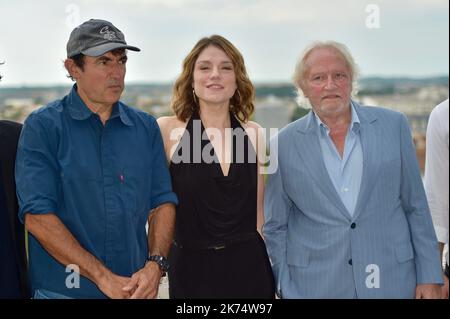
pixel 345 172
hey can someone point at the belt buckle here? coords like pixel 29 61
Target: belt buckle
pixel 218 247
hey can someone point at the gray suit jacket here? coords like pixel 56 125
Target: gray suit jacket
pixel 318 250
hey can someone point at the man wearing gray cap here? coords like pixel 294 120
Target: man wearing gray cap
pixel 90 171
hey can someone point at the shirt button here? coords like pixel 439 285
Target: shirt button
pixel 353 225
pixel 350 262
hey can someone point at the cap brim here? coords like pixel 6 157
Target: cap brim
pixel 104 48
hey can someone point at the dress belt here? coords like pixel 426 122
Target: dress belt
pixel 220 245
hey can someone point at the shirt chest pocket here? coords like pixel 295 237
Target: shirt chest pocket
pixel 135 190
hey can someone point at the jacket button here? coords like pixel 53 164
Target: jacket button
pixel 353 225
pixel 350 262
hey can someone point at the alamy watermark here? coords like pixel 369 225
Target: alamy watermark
pixel 373 279
pixel 254 151
pixel 73 16
pixel 373 19
pixel 73 279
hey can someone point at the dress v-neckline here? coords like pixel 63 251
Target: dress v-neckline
pixel 216 159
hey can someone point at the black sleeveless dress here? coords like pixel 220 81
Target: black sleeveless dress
pixel 217 251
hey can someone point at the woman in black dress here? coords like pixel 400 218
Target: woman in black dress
pixel 212 150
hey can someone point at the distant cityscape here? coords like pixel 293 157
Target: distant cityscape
pixel 275 104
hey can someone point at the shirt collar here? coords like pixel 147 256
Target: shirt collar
pixel 355 122
pixel 79 111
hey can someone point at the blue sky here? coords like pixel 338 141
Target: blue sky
pixel 407 38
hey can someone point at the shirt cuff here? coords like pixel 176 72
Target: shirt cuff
pixel 163 199
pixel 36 208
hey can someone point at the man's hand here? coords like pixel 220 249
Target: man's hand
pixel 144 284
pixel 428 291
pixel 112 286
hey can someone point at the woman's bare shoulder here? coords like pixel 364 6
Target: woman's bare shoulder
pixel 167 123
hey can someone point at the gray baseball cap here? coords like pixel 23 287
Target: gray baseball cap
pixel 96 37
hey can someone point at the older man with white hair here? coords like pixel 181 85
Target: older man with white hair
pixel 346 212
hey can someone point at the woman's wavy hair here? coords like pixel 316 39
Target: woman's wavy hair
pixel 183 101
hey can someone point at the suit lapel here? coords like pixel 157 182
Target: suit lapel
pixel 308 148
pixel 371 144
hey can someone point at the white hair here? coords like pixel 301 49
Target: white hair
pixel 301 68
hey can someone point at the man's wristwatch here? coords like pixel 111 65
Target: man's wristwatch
pixel 161 261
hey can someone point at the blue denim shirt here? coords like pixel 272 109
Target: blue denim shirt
pixel 101 181
pixel 345 172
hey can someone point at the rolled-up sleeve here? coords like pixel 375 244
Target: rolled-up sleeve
pixel 36 169
pixel 161 185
